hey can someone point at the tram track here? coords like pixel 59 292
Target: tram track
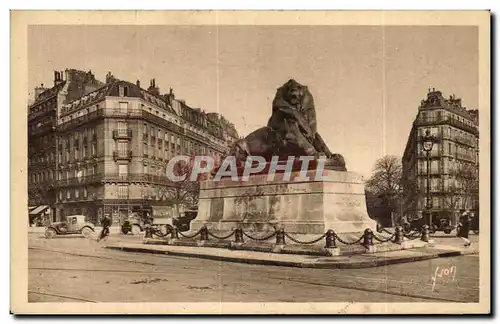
pixel 340 280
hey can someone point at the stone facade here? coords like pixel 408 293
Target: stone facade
pixel 455 155
pixel 337 201
pixel 111 145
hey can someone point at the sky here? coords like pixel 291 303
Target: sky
pixel 367 81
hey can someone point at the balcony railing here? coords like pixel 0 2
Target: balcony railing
pixel 122 155
pixel 465 157
pixel 79 181
pixel 122 134
pixel 446 120
pixel 136 177
pixel 461 139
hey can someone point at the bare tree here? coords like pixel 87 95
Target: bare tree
pixel 183 193
pixel 462 188
pixel 452 197
pixel 384 188
pixel 468 180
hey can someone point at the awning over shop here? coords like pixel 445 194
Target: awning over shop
pixel 38 209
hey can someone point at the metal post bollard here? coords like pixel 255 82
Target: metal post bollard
pixel 425 233
pixel 368 238
pixel 174 234
pixel 204 233
pixel 238 235
pixel 398 235
pixel 330 240
pixel 280 237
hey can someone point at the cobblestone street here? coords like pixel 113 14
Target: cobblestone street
pixel 70 269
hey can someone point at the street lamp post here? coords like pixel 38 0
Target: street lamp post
pixel 427 144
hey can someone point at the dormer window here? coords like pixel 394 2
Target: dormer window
pixel 123 91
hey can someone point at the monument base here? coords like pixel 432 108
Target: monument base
pixel 308 203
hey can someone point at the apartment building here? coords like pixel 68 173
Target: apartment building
pixel 453 160
pixel 112 146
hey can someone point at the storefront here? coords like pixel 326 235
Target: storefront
pixel 39 215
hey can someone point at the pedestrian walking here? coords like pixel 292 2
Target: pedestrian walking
pixel 106 223
pixel 463 228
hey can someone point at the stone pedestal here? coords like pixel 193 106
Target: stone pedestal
pixel 306 204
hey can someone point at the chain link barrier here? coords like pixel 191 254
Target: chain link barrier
pixel 305 242
pixel 221 237
pixel 384 240
pixel 410 236
pixel 349 243
pixel 191 236
pixel 413 236
pixel 157 232
pixel 387 231
pixel 261 238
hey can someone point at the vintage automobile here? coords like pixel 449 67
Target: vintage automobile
pixel 134 223
pixel 164 226
pixel 74 224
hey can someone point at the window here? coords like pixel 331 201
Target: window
pixel 123 106
pixel 84 192
pixel 68 194
pixel 122 148
pixel 122 127
pixel 436 202
pixel 146 170
pixel 123 91
pixel 60 195
pixel 123 192
pixel 94 148
pixel 77 193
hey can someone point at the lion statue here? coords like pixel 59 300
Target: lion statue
pixel 290 131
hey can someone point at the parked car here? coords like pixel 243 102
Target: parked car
pixel 74 224
pixel 134 223
pixel 182 223
pixel 445 225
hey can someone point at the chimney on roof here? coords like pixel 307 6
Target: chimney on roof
pixel 153 89
pixel 109 77
pixel 57 78
pixel 38 91
pixel 138 83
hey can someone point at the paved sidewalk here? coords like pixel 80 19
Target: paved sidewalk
pixel 366 260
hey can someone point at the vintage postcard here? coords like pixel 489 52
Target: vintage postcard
pixel 250 162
